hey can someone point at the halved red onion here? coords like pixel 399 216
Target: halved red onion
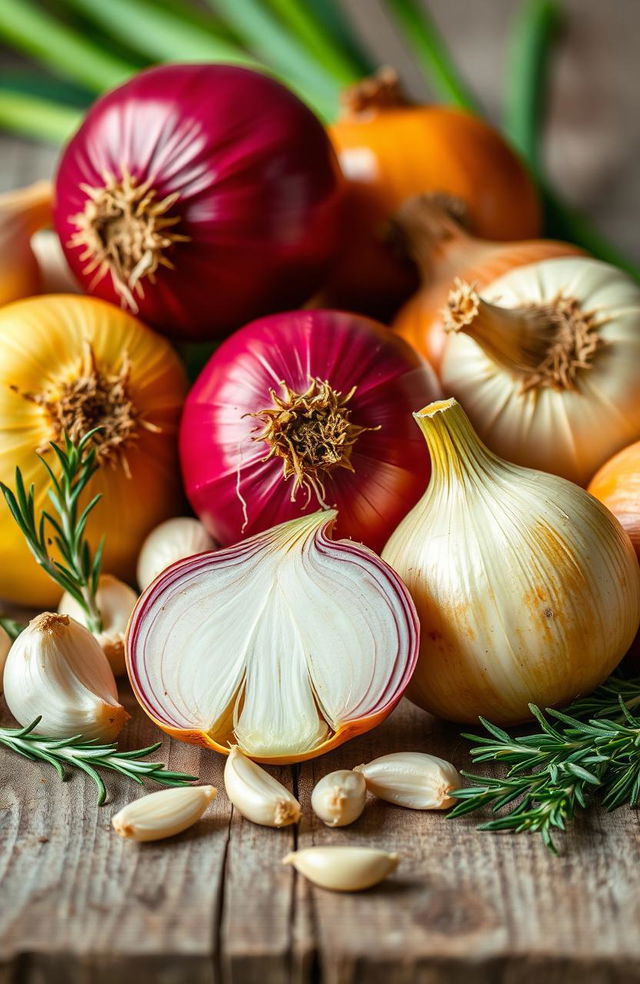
pixel 286 644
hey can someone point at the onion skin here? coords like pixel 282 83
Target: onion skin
pixel 44 345
pixel 220 458
pixel 451 151
pixel 257 185
pixel 617 485
pixel 184 569
pixel 443 250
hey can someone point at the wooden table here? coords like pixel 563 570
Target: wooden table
pixel 78 904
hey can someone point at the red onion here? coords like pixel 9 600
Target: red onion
pixel 200 196
pixel 287 644
pixel 301 410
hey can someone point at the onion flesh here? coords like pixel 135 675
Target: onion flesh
pixel 286 644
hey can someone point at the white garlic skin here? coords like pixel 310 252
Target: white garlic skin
pixel 57 671
pixel 412 779
pixel 172 540
pixel 256 794
pixel 339 798
pixel 115 600
pixel 5 646
pixel 344 868
pixel 163 814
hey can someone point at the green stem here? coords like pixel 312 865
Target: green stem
pixel 528 62
pixel 331 17
pixel 319 42
pixel 159 34
pixel 33 31
pixel 272 43
pixel 431 52
pixel 37 118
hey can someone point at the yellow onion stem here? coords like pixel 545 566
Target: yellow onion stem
pixel 429 229
pixel 455 449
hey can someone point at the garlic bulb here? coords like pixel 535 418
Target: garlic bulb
pixel 5 646
pixel 172 540
pixel 256 794
pixel 163 814
pixel 527 588
pixel 343 868
pixel 55 273
pixel 286 644
pixel 55 669
pixel 339 798
pixel 115 600
pixel 547 363
pixel 412 779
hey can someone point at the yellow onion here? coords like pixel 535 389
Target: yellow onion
pixel 22 212
pixel 527 588
pixel 546 362
pixel 71 363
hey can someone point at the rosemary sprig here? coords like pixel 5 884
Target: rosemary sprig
pixel 591 750
pixel 78 570
pixel 88 756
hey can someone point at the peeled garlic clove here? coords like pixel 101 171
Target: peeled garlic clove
pixel 57 671
pixel 163 814
pixel 412 779
pixel 115 600
pixel 343 869
pixel 339 798
pixel 172 540
pixel 257 795
pixel 5 646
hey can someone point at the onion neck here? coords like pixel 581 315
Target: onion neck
pixel 374 94
pixel 546 345
pixel 127 231
pixel 311 432
pixel 456 451
pixel 429 229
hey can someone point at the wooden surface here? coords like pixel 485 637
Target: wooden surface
pixel 78 904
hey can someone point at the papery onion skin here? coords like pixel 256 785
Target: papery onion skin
pixel 391 150
pixel 617 486
pixel 236 494
pixel 442 249
pixel 527 588
pixel 567 430
pixel 257 186
pixel 47 344
pixel 155 598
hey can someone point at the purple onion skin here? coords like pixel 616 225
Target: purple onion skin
pixel 259 192
pixel 236 494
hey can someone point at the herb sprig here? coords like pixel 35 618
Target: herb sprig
pixel 590 751
pixel 89 756
pixel 78 570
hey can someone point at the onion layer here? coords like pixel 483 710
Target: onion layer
pixel 303 410
pixel 287 644
pixel 199 196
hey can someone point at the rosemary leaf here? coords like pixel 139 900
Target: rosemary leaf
pixel 88 756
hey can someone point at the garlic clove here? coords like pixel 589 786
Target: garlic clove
pixel 344 868
pixel 339 798
pixel 412 779
pixel 256 794
pixel 56 670
pixel 163 814
pixel 172 540
pixel 5 646
pixel 115 600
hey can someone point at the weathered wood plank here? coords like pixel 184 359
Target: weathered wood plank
pixel 81 900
